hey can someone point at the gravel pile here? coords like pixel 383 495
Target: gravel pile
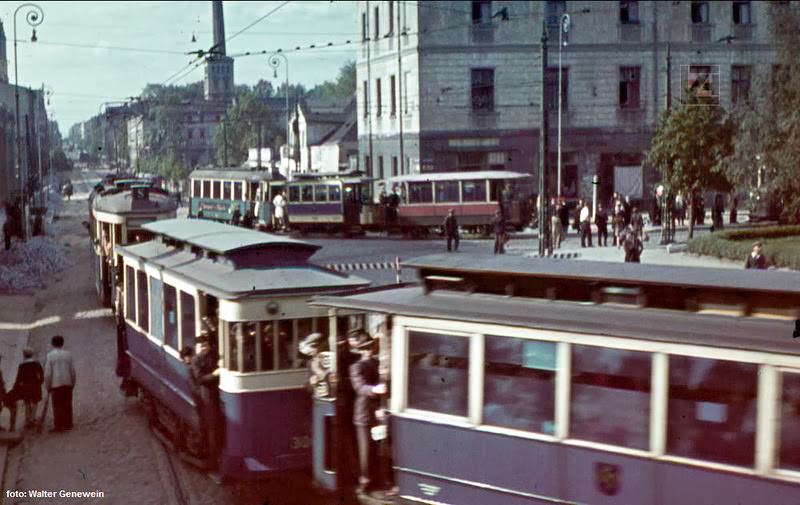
pixel 28 266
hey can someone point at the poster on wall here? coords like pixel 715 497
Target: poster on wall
pixel 628 181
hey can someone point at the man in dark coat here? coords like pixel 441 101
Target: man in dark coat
pixel 365 378
pixel 451 229
pixel 28 387
pixel 601 220
pixel 205 377
pixel 633 247
pixel 499 223
pixel 756 259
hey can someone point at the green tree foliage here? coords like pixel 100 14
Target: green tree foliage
pixel 768 135
pixel 165 110
pixel 343 87
pixel 242 121
pixel 689 146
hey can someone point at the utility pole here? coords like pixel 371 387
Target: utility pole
pixel 400 29
pixel 665 199
pixel 544 229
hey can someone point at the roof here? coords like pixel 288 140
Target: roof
pixel 224 280
pixel 458 176
pixel 222 238
pixel 251 175
pixel 755 334
pixel 773 281
pixel 123 202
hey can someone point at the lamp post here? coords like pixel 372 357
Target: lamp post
pixel 34 18
pixel 544 228
pixel 274 63
pixel 564 24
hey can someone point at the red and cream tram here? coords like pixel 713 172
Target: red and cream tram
pixel 529 381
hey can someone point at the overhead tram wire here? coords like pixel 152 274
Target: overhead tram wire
pixel 262 18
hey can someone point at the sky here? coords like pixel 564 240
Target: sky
pixel 88 53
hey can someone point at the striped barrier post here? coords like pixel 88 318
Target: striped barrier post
pixel 380 265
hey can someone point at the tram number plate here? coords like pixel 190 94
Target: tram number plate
pixel 301 442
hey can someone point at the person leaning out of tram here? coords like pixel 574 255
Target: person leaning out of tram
pixel 205 372
pixel 365 379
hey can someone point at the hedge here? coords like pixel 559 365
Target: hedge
pixel 781 245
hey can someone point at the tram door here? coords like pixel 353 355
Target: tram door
pixel 351 203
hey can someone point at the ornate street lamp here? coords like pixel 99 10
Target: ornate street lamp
pixel 34 18
pixel 563 28
pixel 274 63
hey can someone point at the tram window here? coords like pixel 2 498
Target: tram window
pixel 249 334
pixel 170 316
pixel 286 351
pixel 712 409
pixel 320 193
pixel 217 189
pixel 420 192
pixel 130 293
pixel 237 190
pixel 322 326
pixel 789 456
pixel 141 300
pixel 307 193
pixel 226 190
pixel 294 193
pixel 474 191
pixel 267 346
pixel 495 189
pixel 610 396
pixel 156 307
pixel 206 189
pixel 187 320
pixel 233 335
pixel 447 191
pixel 196 189
pixel 137 235
pixel 334 193
pixel 304 329
pixel 519 384
pixel 438 368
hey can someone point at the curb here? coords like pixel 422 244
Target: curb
pixel 558 256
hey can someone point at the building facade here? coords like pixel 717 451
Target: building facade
pixel 453 85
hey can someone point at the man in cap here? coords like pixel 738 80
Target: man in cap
pixel 205 376
pixel 451 229
pixel 756 259
pixel 365 379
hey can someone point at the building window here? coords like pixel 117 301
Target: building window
pixel 711 411
pixel 789 455
pixel 554 9
pixel 520 383
pixel 740 83
pixel 629 87
pixel 365 86
pixel 378 97
pixel 700 80
pixel 481 12
pixel 189 134
pixel 551 87
pixel 406 78
pixel 364 32
pixel 392 96
pixel 438 367
pixel 380 167
pixel 483 89
pixel 377 24
pixel 610 398
pixel 629 11
pixel 394 166
pixel 699 12
pixel 391 18
pixel 741 13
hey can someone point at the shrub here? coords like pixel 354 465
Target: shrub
pixel 781 245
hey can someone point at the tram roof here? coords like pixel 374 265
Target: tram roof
pixel 225 280
pixel 123 202
pixel 460 176
pixel 754 334
pixel 251 175
pixel 630 274
pixel 223 238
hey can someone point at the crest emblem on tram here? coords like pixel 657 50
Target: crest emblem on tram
pixel 607 478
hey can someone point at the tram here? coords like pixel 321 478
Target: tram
pixel 215 193
pixel 117 211
pixel 426 198
pixel 529 381
pixel 247 290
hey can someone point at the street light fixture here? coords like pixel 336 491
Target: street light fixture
pixel 564 24
pixel 274 63
pixel 34 18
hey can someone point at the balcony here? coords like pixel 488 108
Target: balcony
pixel 742 32
pixel 701 32
pixel 483 33
pixel 630 32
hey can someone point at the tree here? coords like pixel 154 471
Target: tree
pixel 343 87
pixel 767 145
pixel 689 147
pixel 241 128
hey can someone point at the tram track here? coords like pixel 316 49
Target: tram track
pixel 165 458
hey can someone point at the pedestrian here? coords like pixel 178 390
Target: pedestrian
pixel 619 228
pixel 637 222
pixel 500 235
pixel 576 217
pixel 451 230
pixel 601 220
pixel 7 232
pixel 733 217
pixel 756 260
pixel 563 214
pixel 585 218
pixel 717 211
pixel 28 387
pixel 558 233
pixel 59 379
pixel 633 246
pixel 205 377
pixel 680 209
pixel 365 378
pixel 626 210
pixel 279 211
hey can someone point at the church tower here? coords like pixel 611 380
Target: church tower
pixel 3 57
pixel 218 83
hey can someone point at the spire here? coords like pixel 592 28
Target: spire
pixel 219 27
pixel 3 57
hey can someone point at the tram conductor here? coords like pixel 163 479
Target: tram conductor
pixel 205 376
pixel 365 379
